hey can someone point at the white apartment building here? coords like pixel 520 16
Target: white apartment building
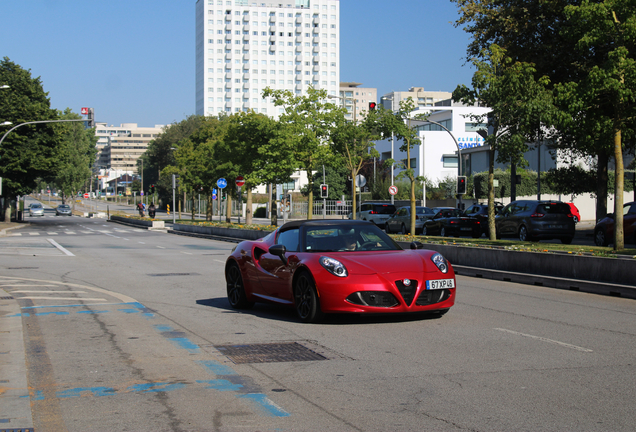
pixel 356 99
pixel 244 46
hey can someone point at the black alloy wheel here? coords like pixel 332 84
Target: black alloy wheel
pixel 600 239
pixel 306 299
pixel 523 234
pixel 235 288
pixel 442 231
pixel 403 229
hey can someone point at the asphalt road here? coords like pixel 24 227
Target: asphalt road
pixel 129 329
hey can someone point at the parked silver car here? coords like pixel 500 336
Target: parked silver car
pixel 36 209
pixel 378 213
pixel 400 221
pixel 63 210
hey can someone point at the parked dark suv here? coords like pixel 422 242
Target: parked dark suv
pixel 532 220
pixel 480 212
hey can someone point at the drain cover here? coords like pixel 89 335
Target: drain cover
pixel 268 353
pixel 6 298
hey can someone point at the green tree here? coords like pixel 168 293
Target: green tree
pixel 517 102
pixel 353 145
pixel 75 155
pixel 401 124
pixel 249 146
pixel 27 153
pixel 306 125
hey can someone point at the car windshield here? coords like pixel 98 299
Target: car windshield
pixel 384 208
pixel 64 207
pixel 424 211
pixel 553 208
pixel 36 205
pixel 347 238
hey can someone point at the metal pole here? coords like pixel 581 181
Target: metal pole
pixel 324 200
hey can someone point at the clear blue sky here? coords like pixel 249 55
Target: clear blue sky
pixel 133 61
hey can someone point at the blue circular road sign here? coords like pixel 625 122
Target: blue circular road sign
pixel 221 183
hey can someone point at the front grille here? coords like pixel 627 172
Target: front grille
pixel 429 297
pixel 373 298
pixel 407 292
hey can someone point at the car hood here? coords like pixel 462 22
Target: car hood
pixel 385 262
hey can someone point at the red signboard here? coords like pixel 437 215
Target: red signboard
pixel 84 111
pixel 85 195
pixel 240 181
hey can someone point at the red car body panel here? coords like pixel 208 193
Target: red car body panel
pixel 267 278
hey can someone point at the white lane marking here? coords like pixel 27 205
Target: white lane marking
pixel 552 341
pixel 2 284
pixel 34 233
pixel 69 232
pixel 186 253
pixel 161 247
pixel 141 242
pixel 46 292
pixel 57 245
pixel 111 235
pixel 51 233
pixel 62 298
pixel 222 262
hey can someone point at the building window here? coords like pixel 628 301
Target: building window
pixel 449 161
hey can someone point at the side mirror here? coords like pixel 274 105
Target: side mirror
pixel 279 251
pixel 417 245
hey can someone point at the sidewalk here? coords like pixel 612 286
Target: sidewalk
pixel 8 226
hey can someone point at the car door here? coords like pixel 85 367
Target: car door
pixel 275 275
pixel 505 225
pixel 629 222
pixel 434 225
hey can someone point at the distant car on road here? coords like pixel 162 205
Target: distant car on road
pixel 378 213
pixel 400 221
pixel 532 220
pixel 604 229
pixel 63 210
pixel 36 209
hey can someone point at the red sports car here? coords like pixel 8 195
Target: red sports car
pixel 338 266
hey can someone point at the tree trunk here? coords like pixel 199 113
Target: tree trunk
pixel 228 209
pixel 601 185
pixel 492 229
pixel 619 239
pixel 208 210
pixel 248 211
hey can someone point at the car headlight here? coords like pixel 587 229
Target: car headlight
pixel 334 266
pixel 440 262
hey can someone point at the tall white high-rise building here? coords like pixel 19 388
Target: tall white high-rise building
pixel 244 46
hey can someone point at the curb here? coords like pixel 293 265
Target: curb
pixel 15 410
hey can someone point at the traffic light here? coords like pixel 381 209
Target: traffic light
pixel 152 188
pixel 372 106
pixel 324 191
pixel 461 185
pixel 175 181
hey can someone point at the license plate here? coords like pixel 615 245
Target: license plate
pixel 440 284
pixel 556 226
pixel 465 228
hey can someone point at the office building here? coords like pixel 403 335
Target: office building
pixel 421 98
pixel 244 46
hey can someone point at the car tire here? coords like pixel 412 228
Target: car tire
pixel 404 230
pixel 306 299
pixel 600 238
pixel 576 220
pixel 477 233
pixel 567 240
pixel 235 288
pixel 386 228
pixel 523 234
pixel 424 230
pixel 442 232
